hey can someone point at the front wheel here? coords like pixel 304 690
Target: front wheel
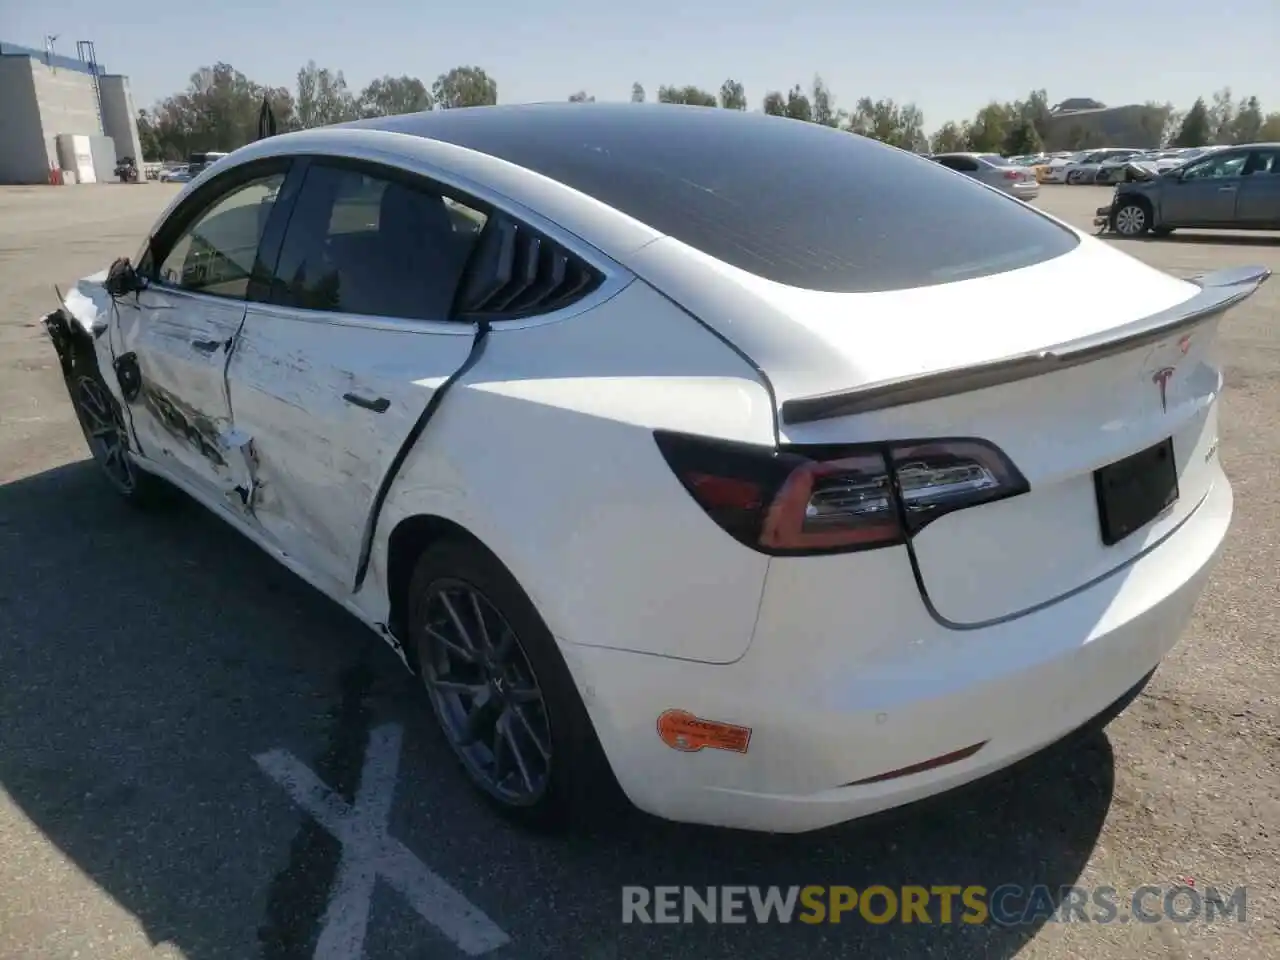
pixel 104 429
pixel 1131 219
pixel 505 701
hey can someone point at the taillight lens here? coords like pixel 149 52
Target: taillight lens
pixel 1013 174
pixel 809 500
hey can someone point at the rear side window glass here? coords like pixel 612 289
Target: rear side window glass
pixel 793 202
pixel 363 244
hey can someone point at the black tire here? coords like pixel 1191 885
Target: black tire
pixel 95 407
pixel 578 784
pixel 1131 218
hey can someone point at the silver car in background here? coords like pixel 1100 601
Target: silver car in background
pixel 993 170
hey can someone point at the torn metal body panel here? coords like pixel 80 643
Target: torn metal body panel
pixel 330 401
pixel 182 415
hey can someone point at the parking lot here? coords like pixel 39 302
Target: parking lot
pixel 150 663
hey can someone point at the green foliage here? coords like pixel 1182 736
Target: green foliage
pixel 1197 126
pixel 1022 139
pixel 732 96
pixel 219 111
pixel 390 96
pixel 951 137
pixel 464 87
pixel 693 96
pixel 884 120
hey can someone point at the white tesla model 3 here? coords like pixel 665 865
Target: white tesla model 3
pixel 704 450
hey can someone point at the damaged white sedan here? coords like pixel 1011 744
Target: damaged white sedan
pixel 702 453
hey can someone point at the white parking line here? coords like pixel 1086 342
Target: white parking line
pixel 369 853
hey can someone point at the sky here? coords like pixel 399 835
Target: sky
pixel 950 58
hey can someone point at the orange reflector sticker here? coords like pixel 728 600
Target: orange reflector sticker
pixel 681 730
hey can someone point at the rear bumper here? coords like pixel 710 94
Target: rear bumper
pixel 848 679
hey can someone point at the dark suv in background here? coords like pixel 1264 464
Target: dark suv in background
pixel 1235 188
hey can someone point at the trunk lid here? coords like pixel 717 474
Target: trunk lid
pixel 906 360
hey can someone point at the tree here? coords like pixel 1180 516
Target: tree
pixel 1270 132
pixel 732 96
pixel 824 105
pixel 1034 110
pixel 148 138
pixel 798 106
pixel 775 104
pixel 323 97
pixel 389 96
pixel 217 111
pixel 464 87
pixel 1022 139
pixel 989 128
pixel 1172 124
pixel 1221 116
pixel 691 95
pixel 581 97
pixel 1247 125
pixel 637 93
pixel 950 138
pixel 886 121
pixel 1196 126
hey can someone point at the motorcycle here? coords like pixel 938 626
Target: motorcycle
pixel 127 170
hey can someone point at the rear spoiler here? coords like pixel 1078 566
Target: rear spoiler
pixel 1219 291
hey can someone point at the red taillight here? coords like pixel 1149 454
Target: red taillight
pixel 1013 174
pixel 836 499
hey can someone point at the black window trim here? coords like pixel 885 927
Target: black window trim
pixel 462 191
pixel 162 240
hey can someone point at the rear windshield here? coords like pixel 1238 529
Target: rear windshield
pixel 793 202
pixel 995 158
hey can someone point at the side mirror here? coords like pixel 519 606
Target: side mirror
pixel 123 279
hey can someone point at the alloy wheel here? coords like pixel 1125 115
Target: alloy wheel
pixel 1131 220
pixel 105 431
pixel 485 694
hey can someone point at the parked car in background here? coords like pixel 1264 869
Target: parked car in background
pixel 993 170
pixel 1112 168
pixel 175 174
pixel 1232 188
pixel 1056 170
pixel 1086 169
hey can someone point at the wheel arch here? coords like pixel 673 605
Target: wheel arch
pixel 1139 199
pixel 409 539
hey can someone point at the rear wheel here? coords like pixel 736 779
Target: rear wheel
pixel 505 701
pixel 1131 219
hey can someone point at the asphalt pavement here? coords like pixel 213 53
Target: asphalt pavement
pixel 160 677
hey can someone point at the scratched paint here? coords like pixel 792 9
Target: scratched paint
pixel 370 854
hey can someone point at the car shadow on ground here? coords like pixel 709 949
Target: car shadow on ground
pixel 147 657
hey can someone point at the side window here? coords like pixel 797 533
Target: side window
pixel 215 254
pixel 1231 165
pixel 966 165
pixel 1264 163
pixel 358 243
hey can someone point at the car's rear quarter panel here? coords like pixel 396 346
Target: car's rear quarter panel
pixel 545 452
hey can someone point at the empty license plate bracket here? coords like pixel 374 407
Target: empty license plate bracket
pixel 1134 491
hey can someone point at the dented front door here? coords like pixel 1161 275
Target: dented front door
pixel 181 343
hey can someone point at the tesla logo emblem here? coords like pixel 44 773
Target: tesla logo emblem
pixel 1161 379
